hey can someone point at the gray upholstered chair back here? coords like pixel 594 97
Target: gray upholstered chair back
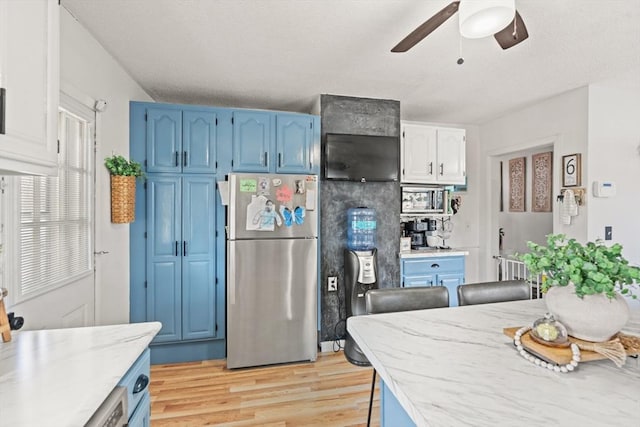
pixel 488 292
pixel 387 300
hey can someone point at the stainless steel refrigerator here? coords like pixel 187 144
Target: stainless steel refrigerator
pixel 272 269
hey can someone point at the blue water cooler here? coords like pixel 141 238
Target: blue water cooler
pixel 361 271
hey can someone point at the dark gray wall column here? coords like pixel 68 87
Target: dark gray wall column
pixel 362 116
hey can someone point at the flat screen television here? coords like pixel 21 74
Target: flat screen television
pixel 361 158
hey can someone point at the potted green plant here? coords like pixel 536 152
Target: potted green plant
pixel 584 284
pixel 123 187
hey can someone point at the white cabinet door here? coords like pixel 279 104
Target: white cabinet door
pixel 432 155
pixel 451 156
pixel 418 153
pixel 29 75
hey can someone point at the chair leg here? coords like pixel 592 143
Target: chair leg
pixel 373 387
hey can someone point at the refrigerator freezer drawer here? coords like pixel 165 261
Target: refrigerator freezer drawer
pixel 271 301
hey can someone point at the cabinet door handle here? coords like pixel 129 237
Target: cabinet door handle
pixel 266 159
pixel 184 248
pixel 441 168
pixel 184 158
pixel 177 248
pixel 430 168
pixel 177 160
pixel 141 383
pixel 435 265
pixel 3 104
pixel 279 160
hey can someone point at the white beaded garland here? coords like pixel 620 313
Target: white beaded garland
pixel 575 352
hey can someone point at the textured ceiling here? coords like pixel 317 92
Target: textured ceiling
pixel 282 54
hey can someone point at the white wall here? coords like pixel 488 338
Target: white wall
pixel 88 72
pixel 614 155
pixel 561 121
pixel 521 227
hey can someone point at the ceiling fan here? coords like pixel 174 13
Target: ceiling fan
pixel 477 19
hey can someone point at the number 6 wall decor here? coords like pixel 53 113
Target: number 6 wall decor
pixel 571 170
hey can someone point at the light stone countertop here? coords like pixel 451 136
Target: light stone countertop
pixel 59 377
pixel 426 253
pixel 454 367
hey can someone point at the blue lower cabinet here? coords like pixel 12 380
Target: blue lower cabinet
pixel 434 271
pixel 392 414
pixel 136 380
pixel 142 415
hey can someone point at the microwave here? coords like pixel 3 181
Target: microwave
pixel 424 200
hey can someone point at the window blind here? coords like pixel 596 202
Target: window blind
pixel 55 214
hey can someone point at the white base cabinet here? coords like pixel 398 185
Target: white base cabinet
pixel 29 82
pixel 432 155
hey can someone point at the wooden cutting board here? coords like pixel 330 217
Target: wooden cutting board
pixel 558 355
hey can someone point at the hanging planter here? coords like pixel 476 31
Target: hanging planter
pixel 123 188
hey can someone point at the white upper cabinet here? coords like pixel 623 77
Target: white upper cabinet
pixel 29 82
pixel 432 155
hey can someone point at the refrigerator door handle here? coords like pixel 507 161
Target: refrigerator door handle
pixel 231 267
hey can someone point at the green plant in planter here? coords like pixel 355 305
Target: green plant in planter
pixel 118 165
pixel 593 268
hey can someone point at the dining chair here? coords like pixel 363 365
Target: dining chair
pixel 488 292
pixel 389 300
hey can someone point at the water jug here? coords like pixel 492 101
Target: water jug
pixel 361 229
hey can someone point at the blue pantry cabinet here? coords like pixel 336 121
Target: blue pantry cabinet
pixel 181 255
pixel 434 271
pixel 273 142
pixel 177 241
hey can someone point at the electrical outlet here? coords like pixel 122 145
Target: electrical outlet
pixel 332 284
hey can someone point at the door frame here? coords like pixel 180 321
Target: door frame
pixel 489 234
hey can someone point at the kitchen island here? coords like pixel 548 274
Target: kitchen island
pixel 455 367
pixel 60 377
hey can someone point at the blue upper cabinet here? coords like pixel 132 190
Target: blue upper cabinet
pixel 272 142
pixel 199 142
pixel 164 140
pixel 252 136
pixel 180 141
pixel 294 143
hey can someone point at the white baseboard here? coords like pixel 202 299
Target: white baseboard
pixel 330 346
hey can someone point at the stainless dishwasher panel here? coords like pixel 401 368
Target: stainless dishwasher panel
pixel 113 411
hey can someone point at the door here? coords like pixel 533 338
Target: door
pixel 199 141
pixel 198 257
pixel 164 255
pixel 451 156
pixel 249 204
pixel 271 301
pixel 164 140
pixel 252 136
pixel 418 154
pixel 294 143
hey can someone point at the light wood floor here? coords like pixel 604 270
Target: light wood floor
pixel 328 392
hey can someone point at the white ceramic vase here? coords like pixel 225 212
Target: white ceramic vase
pixel 591 318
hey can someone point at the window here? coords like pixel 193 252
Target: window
pixel 54 223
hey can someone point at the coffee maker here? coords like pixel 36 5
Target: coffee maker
pixel 418 231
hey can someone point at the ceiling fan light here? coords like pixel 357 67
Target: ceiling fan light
pixel 483 18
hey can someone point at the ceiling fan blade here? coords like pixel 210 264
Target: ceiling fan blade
pixel 513 33
pixel 426 28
